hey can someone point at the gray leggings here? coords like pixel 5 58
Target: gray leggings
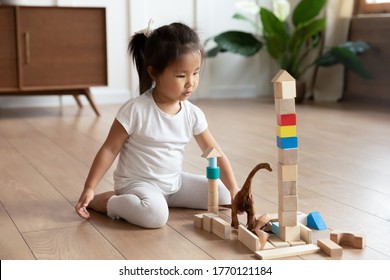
pixel 144 205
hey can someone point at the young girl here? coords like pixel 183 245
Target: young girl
pixel 150 133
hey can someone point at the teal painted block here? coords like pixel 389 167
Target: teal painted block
pixel 287 142
pixel 275 228
pixel 314 220
pixel 212 172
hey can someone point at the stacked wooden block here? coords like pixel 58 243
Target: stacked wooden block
pixel 287 143
pixel 212 174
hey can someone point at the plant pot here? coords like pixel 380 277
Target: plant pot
pixel 300 90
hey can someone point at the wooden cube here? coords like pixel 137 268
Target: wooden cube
pixel 288 202
pixel 287 172
pixel 287 218
pixel 287 142
pixel 285 90
pixel 288 156
pixel 286 130
pixel 287 188
pixel 286 119
pixel 284 106
pixel 290 233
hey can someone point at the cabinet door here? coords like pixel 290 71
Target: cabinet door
pixel 62 47
pixel 8 54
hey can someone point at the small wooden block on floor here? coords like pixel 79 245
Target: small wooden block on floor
pixel 287 252
pixel 268 246
pixel 221 228
pixel 207 217
pixel 248 238
pixel 329 247
pixel 356 240
pixel 306 234
pixel 297 243
pixel 198 220
pixel 277 242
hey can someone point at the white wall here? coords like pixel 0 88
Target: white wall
pixel 225 76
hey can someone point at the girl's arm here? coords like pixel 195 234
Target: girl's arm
pixel 102 162
pixel 205 140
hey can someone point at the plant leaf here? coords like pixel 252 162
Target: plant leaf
pixel 214 51
pixel 239 42
pixel 305 32
pixel 272 25
pixel 275 46
pixel 344 56
pixel 239 16
pixel 306 10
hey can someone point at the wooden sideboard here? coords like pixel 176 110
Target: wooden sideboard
pixel 52 51
pixel 375 30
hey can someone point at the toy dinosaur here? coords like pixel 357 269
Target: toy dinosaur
pixel 243 201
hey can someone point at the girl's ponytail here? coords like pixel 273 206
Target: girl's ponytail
pixel 137 51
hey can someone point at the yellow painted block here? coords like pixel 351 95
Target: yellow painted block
pixel 286 130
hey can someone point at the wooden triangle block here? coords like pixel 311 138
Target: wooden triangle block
pixel 211 152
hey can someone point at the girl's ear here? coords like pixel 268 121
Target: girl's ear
pixel 151 73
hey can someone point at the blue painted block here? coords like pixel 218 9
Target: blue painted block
pixel 287 142
pixel 314 220
pixel 275 228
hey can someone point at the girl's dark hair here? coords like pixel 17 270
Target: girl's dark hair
pixel 163 46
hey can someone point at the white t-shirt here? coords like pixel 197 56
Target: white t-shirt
pixel 153 153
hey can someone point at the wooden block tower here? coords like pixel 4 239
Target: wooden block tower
pixel 287 144
pixel 212 173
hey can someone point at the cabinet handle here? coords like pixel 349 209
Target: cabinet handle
pixel 27 50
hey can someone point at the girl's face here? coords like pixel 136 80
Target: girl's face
pixel 179 80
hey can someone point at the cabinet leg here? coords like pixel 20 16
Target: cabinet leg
pixel 88 95
pixel 78 100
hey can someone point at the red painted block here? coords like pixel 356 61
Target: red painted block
pixel 288 119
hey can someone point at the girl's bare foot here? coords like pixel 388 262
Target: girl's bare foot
pixel 99 202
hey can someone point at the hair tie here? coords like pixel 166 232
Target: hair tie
pixel 148 30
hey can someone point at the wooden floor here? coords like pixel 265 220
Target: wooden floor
pixel 45 154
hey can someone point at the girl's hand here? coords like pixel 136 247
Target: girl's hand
pixel 81 207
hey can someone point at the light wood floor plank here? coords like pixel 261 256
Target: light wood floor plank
pixel 136 243
pixel 31 201
pixel 73 243
pixel 12 244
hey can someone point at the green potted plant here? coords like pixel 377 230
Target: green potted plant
pixel 291 42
